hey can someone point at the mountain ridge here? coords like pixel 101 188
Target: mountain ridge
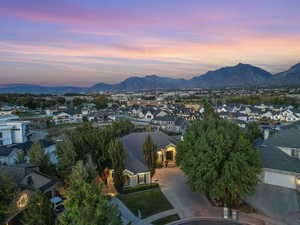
pixel 240 75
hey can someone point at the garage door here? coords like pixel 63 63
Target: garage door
pixel 279 179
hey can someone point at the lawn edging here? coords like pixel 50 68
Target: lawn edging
pixel 139 188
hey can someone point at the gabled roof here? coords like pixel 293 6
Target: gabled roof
pixel 273 158
pixel 133 144
pixel 289 138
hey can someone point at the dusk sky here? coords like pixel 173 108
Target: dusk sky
pixel 83 42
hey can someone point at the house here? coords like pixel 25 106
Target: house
pixel 279 168
pixel 136 171
pixel 27 178
pixel 170 123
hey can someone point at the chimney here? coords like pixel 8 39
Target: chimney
pixel 266 134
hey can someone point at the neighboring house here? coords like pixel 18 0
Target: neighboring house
pixel 279 168
pixel 171 123
pixel 136 171
pixel 67 117
pixel 27 178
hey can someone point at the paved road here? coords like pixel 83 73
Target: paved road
pixel 187 203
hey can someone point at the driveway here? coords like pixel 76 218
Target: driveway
pixel 187 203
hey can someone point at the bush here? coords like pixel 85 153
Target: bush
pixel 141 187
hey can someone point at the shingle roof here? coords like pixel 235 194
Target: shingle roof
pixel 289 138
pixel 133 144
pixel 273 158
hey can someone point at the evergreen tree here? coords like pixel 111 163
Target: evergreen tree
pixel 66 157
pixel 39 211
pixel 38 156
pixel 150 153
pixel 219 160
pixel 7 193
pixel 209 112
pixel 21 158
pixel 253 131
pixel 86 204
pixel 118 163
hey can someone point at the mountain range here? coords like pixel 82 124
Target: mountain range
pixel 239 76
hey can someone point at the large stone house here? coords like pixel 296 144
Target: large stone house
pixel 136 171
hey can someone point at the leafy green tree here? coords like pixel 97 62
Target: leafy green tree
pixel 80 172
pixel 7 193
pixel 39 211
pixel 38 156
pixel 219 160
pixel 86 204
pixel 21 158
pixel 150 154
pixel 118 163
pixel 122 128
pixel 253 131
pixel 209 112
pixel 66 157
pixel 101 101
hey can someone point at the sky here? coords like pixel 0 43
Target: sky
pixel 83 42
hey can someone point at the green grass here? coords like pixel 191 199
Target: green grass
pixel 149 202
pixel 166 220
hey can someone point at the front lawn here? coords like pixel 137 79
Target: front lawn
pixel 148 202
pixel 166 220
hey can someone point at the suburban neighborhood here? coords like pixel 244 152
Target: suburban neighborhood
pixel 147 141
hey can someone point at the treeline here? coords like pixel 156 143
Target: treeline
pixel 265 99
pixel 45 101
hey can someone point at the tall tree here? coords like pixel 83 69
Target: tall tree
pixel 66 157
pixel 86 204
pixel 21 158
pixel 150 153
pixel 219 160
pixel 38 156
pixel 118 163
pixel 209 112
pixel 122 127
pixel 253 131
pixel 39 211
pixel 7 193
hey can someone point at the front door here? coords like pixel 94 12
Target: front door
pixel 169 156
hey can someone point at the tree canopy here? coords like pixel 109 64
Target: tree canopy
pixel 85 202
pixel 38 156
pixel 253 131
pixel 39 211
pixel 150 153
pixel 7 193
pixel 118 163
pixel 219 160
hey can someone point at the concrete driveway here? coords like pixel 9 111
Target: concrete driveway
pixel 187 203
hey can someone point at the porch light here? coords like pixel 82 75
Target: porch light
pixel 298 181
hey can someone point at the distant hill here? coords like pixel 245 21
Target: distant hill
pixel 241 75
pixel 290 77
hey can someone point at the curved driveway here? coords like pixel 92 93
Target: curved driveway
pixel 187 203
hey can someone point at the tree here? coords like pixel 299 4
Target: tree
pixel 101 101
pixel 7 193
pixel 209 112
pixel 38 156
pixel 86 204
pixel 118 163
pixel 253 131
pixel 66 157
pixel 20 158
pixel 80 172
pixel 39 211
pixel 150 154
pixel 219 160
pixel 122 128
